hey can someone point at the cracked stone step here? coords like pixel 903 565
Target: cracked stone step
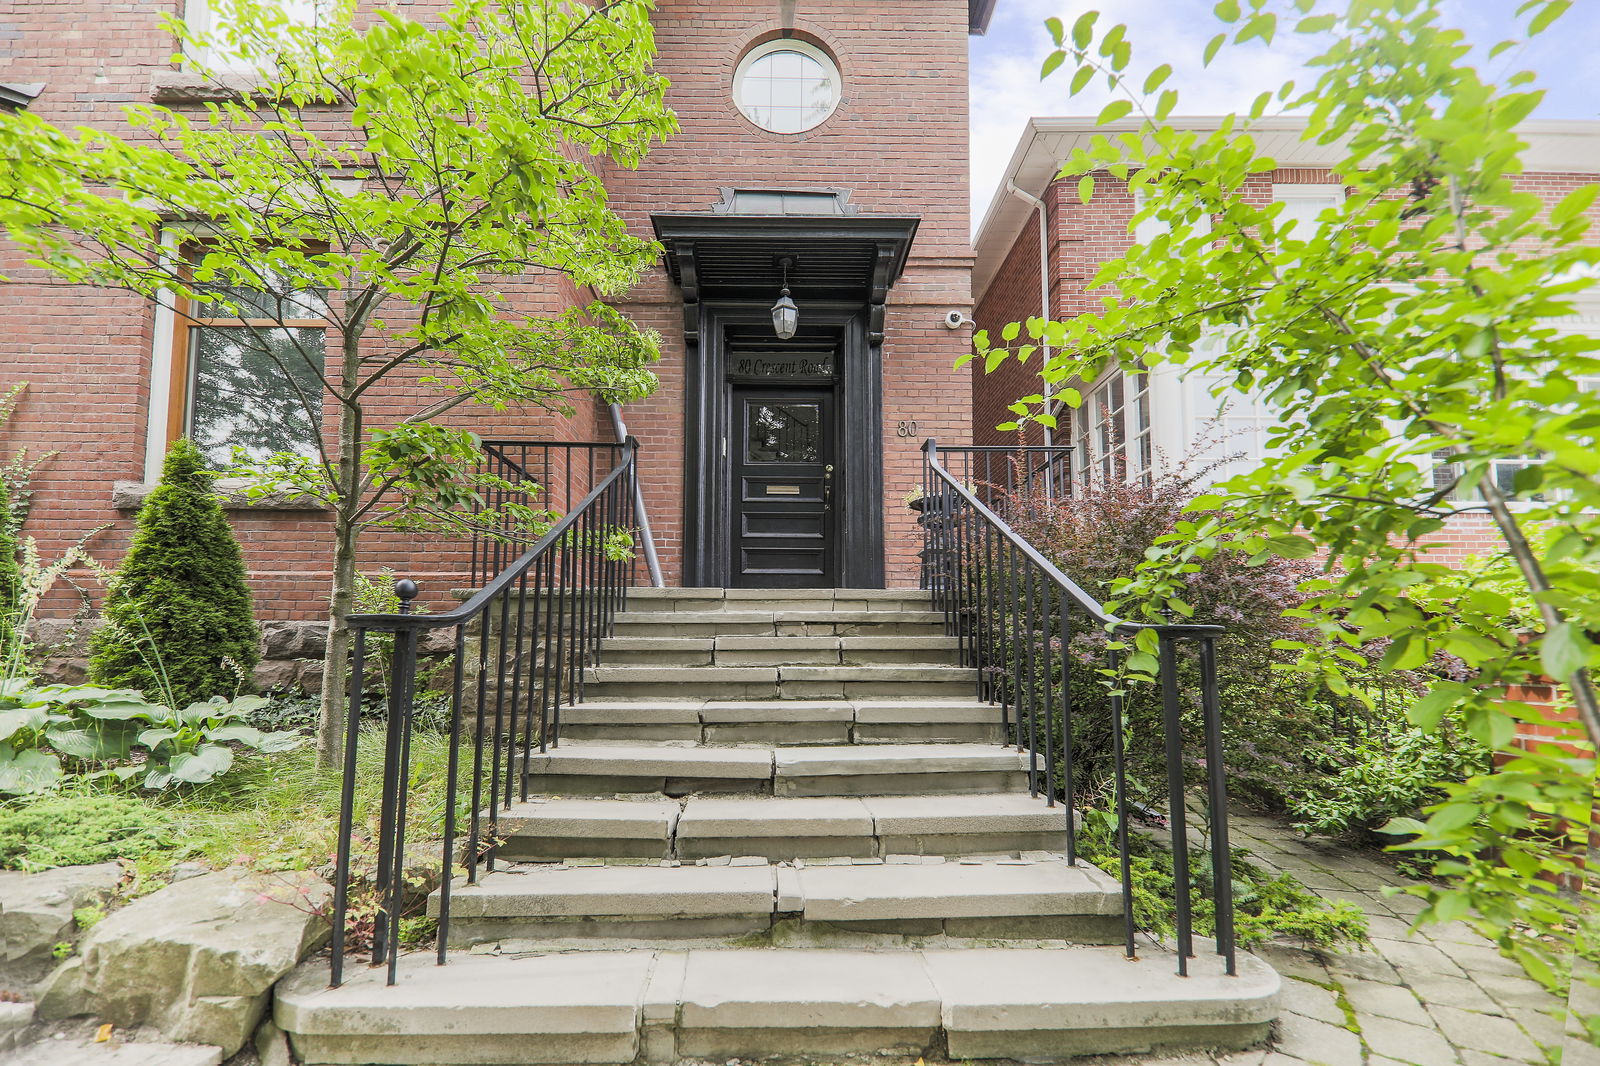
pixel 994 900
pixel 784 722
pixel 860 620
pixel 588 828
pixel 791 827
pixel 611 902
pixel 603 683
pixel 603 768
pixel 658 1006
pixel 897 769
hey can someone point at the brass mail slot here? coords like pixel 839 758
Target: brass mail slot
pixel 783 490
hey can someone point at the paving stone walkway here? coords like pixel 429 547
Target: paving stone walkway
pixel 1441 996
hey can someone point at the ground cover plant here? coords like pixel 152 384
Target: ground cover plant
pixel 1405 342
pixel 419 170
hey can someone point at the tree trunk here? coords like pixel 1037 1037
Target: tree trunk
pixel 336 665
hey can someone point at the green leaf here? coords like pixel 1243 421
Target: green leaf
pixel 1426 712
pixel 1453 816
pixel 249 736
pixel 1083 29
pixel 1156 77
pixel 1057 30
pixel 1085 188
pixel 1552 10
pixel 1563 651
pixel 18 718
pixel 1574 203
pixel 1114 110
pixel 196 768
pixel 1164 105
pixel 1227 10
pixel 1212 47
pixel 1080 78
pixel 274 743
pixel 27 772
pixel 1051 63
pixel 1292 546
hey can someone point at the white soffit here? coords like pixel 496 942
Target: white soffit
pixel 1554 147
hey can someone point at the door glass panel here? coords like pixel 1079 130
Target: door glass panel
pixel 783 432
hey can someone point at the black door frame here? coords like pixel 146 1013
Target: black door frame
pixel 708 492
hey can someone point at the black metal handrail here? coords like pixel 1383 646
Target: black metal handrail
pixel 1015 614
pixel 552 474
pixel 521 645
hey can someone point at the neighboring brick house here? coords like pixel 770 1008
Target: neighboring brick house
pixel 862 182
pixel 1149 419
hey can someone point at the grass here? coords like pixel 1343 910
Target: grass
pixel 272 812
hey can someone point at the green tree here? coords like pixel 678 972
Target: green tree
pixel 178 623
pixel 1406 344
pixel 391 180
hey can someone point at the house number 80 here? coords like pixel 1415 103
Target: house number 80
pixel 908 429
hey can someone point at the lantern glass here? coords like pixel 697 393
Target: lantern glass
pixel 785 316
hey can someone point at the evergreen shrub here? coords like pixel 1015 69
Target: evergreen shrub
pixel 178 620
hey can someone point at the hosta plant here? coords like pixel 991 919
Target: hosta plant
pixel 188 747
pixel 48 730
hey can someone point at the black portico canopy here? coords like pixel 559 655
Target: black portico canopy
pixel 734 254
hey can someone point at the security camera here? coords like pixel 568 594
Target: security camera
pixel 957 319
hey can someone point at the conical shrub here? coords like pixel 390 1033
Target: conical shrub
pixel 178 622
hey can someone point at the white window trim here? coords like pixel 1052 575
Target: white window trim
pixel 159 409
pixel 787 44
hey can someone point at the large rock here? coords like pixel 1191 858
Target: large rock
pixel 36 914
pixel 196 960
pixel 294 640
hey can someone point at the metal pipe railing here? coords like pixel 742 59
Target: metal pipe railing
pixel 1015 613
pixel 520 648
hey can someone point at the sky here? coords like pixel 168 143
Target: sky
pixel 1006 89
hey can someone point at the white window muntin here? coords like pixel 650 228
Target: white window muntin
pixel 787 86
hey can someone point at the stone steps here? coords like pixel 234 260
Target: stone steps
pixel 652 1005
pixel 781 651
pixel 905 681
pixel 780 823
pixel 787 622
pixel 996 899
pixel 785 722
pixel 780 827
pixel 599 768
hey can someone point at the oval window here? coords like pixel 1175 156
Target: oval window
pixel 786 86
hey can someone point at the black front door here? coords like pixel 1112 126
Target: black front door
pixel 785 485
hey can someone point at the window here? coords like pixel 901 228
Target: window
pixel 1304 204
pixel 1149 229
pixel 1111 431
pixel 206 18
pixel 786 86
pixel 1503 472
pixel 249 375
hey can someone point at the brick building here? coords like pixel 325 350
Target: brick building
pixel 851 190
pixel 1151 419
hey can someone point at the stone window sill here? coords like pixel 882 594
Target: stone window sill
pixel 130 495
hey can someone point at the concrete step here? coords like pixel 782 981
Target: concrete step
pixel 659 1006
pixel 737 650
pixel 778 682
pixel 787 622
pixel 701 600
pixel 785 722
pixel 780 827
pixel 998 899
pixel 599 768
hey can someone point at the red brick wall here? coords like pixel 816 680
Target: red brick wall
pixel 898 141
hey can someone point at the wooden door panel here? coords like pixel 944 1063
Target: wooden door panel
pixel 783 451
